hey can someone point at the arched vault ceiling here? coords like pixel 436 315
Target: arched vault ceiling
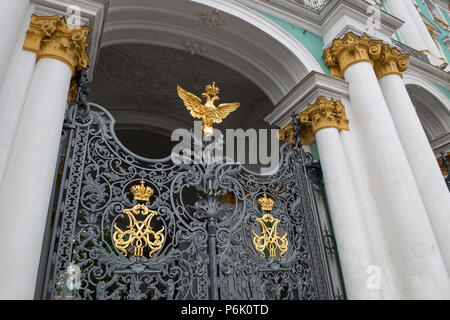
pixel 237 37
pixel 435 116
pixel 137 83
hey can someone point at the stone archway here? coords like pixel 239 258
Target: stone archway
pixel 237 37
pixel 137 84
pixel 150 47
pixel 433 109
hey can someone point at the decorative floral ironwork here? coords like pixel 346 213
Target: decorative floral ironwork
pixel 207 249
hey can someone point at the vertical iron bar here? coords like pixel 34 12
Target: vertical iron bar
pixel 315 211
pixel 212 230
pixel 46 243
pixel 62 188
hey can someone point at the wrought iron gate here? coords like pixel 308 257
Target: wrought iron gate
pixel 214 231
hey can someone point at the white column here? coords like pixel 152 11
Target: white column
pixel 414 248
pixel 421 159
pixel 26 188
pixel 13 15
pixel 351 235
pixel 409 31
pixel 12 97
pixel 359 168
pixel 413 32
pixel 421 27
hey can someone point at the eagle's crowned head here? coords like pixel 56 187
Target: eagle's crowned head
pixel 212 90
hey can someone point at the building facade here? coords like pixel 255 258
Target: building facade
pixel 367 80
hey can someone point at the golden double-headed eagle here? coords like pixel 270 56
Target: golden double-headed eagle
pixel 208 112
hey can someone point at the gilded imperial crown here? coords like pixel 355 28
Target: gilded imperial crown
pixel 266 203
pixel 141 192
pixel 212 89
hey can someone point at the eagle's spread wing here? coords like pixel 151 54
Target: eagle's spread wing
pixel 222 111
pixel 192 102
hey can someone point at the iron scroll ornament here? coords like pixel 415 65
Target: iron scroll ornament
pixel 208 250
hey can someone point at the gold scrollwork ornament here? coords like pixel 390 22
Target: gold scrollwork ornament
pixel 269 241
pixel 139 234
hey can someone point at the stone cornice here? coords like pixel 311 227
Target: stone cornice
pixel 322 114
pixel 339 17
pixel 441 144
pixel 314 85
pixel 343 14
pixel 51 37
pixel 351 16
pixel 429 72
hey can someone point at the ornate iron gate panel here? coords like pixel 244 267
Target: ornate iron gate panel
pixel 126 227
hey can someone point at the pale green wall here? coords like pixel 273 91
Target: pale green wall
pixel 311 41
pixel 314 150
pixel 444 91
pixel 424 10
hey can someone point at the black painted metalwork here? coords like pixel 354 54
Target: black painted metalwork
pixel 208 251
pixel 411 51
pixel 446 164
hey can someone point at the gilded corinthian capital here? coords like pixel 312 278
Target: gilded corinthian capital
pixel 391 61
pixel 323 113
pixel 40 28
pixel 350 50
pixel 51 37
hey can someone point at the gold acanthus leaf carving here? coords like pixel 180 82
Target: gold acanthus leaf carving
pixel 350 50
pixel 323 113
pixel 40 28
pixel 391 61
pixel 51 37
pixel 73 91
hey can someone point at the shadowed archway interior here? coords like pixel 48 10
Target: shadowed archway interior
pixel 434 116
pixel 137 84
